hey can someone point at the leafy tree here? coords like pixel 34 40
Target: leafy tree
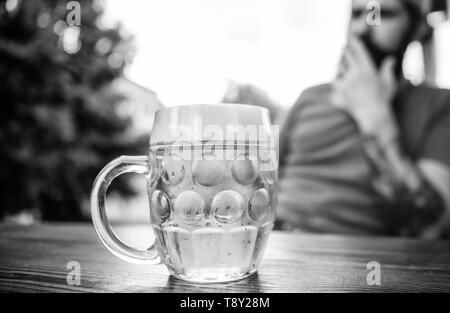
pixel 58 116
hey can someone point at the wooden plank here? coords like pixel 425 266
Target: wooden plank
pixel 34 259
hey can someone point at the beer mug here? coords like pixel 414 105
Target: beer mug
pixel 212 186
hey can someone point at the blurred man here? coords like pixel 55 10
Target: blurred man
pixel 369 153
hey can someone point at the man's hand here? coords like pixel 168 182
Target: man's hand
pixel 366 92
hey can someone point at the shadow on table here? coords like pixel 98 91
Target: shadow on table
pixel 250 284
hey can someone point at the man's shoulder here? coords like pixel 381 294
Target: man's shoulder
pixel 313 96
pixel 315 108
pixel 439 97
pixel 316 93
pixel 427 88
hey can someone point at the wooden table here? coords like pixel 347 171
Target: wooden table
pixel 35 258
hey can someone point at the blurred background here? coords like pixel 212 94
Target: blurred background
pixel 76 93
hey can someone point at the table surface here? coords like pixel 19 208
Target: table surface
pixel 35 258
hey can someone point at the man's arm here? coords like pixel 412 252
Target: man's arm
pixel 418 193
pixel 438 174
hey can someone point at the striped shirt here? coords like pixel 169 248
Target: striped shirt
pixel 325 178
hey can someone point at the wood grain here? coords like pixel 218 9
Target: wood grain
pixel 34 259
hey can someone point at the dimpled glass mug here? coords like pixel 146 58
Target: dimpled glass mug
pixel 212 187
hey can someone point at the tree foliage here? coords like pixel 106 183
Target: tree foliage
pixel 58 120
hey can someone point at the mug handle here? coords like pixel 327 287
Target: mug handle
pixel 119 166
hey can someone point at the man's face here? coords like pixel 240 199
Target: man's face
pixel 389 38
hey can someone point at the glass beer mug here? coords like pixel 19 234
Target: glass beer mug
pixel 212 187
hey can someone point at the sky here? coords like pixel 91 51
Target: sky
pixel 187 50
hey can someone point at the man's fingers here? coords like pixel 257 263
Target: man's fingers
pixel 347 64
pixel 337 96
pixel 342 67
pixel 387 70
pixel 340 70
pixel 353 50
pixel 350 59
pixel 360 52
